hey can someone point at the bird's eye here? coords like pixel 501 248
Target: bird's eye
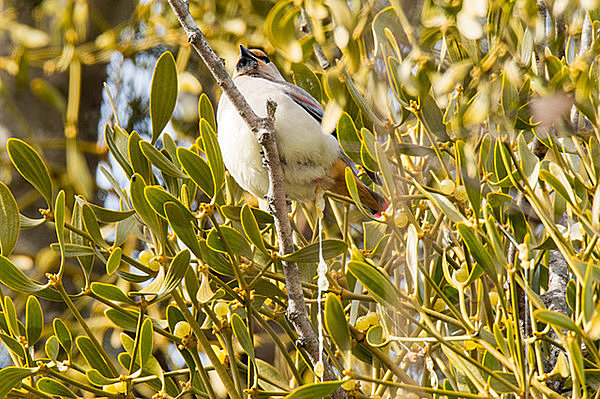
pixel 264 58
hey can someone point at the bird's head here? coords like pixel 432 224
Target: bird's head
pixel 255 62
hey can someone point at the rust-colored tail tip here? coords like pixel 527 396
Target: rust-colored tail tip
pixel 384 206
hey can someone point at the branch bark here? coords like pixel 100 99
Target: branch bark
pixel 263 129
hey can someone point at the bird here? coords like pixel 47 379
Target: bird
pixel 311 159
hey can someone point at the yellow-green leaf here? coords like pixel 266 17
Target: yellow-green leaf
pixel 251 229
pixel 310 253
pixel 163 94
pixel 11 376
pixel 31 167
pixel 197 169
pixel 313 391
pixel 34 320
pixel 10 220
pixel 206 111
pixel 241 333
pixel 146 342
pixel 337 326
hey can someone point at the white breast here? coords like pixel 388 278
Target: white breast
pixel 308 153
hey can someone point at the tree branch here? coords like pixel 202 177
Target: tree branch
pixel 263 129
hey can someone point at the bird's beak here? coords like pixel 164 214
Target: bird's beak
pixel 245 53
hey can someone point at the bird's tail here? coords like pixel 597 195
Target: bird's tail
pixel 372 200
pixel 369 198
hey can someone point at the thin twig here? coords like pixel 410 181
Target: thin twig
pixel 263 130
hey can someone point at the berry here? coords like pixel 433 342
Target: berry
pixel 494 298
pixel 145 256
pixel 460 193
pixel 439 305
pixel 362 323
pixel 373 318
pixel 221 309
pixel 447 186
pixel 182 329
pixel 401 219
pixel 460 275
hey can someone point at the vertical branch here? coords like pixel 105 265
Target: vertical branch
pixel 263 130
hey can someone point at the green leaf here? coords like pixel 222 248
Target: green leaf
pixel 52 348
pixel 126 320
pixel 251 229
pixel 63 334
pixel 11 376
pixel 468 173
pixel 110 292
pixel 110 136
pixel 31 167
pixel 574 350
pixel 376 282
pixel 444 204
pixel 241 333
pixel 182 226
pixel 431 117
pixel 74 250
pixel 213 154
pixel 197 169
pixel 317 390
pixel 559 182
pixel 477 250
pixel 163 94
pixel 306 79
pixel 280 29
pixel 351 184
pixel 215 259
pixel 29 223
pixel 34 320
pixel 96 378
pixel 13 345
pixel 160 161
pixel 15 279
pixel 375 336
pixel 206 111
pixel 368 150
pixel 349 138
pixel 497 200
pixel 92 357
pixel 108 215
pixel 157 198
pixel 557 320
pixel 236 242
pixel 146 342
pixel 11 316
pixel 176 272
pixel 92 227
pixel 233 212
pixel 136 157
pixel 337 326
pixel 114 260
pixel 10 220
pixel 59 225
pixel 141 205
pixel 310 253
pixel 499 386
pixel 54 387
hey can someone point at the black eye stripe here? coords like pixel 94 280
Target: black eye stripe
pixel 263 58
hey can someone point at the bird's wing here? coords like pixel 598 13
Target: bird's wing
pixel 314 109
pixel 305 100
